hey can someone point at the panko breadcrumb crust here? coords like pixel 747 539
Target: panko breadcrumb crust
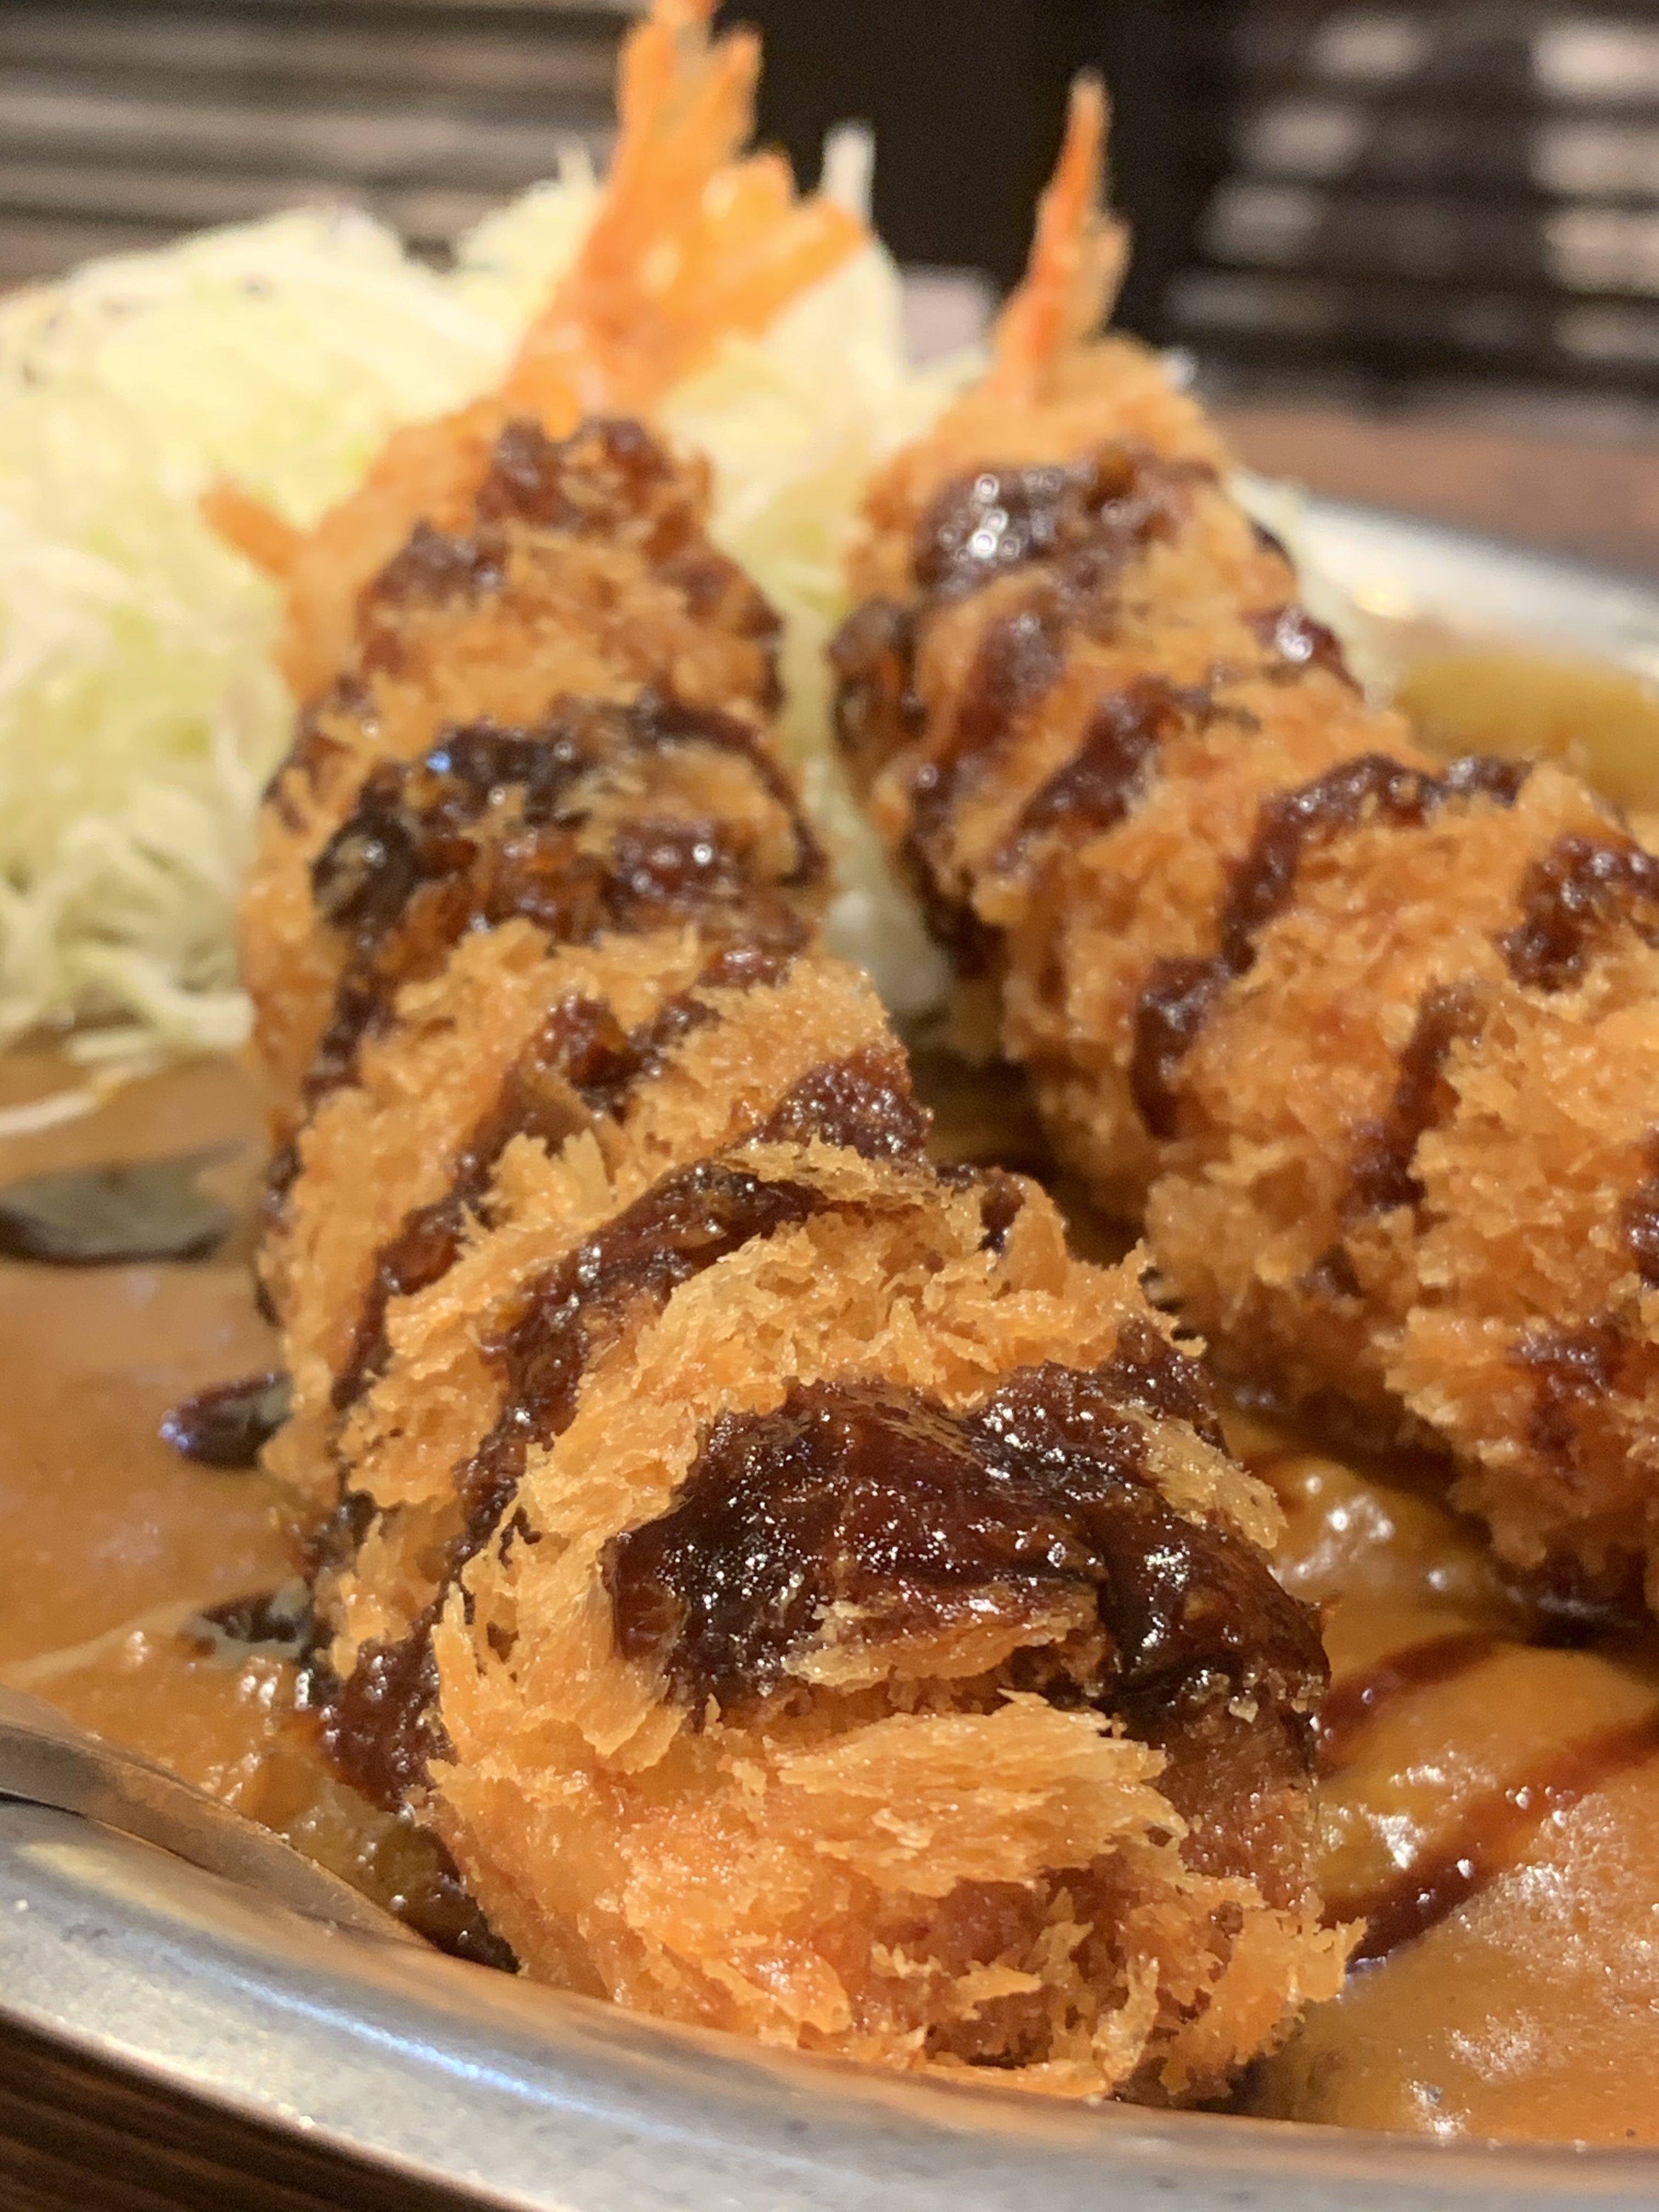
pixel 1368 1048
pixel 804 1598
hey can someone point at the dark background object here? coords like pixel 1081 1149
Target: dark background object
pixel 1342 196
pixel 124 122
pixel 1420 192
pixel 967 97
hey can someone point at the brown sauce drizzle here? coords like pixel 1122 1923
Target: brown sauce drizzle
pixel 1021 656
pixel 1094 790
pixel 1382 1178
pixel 581 1062
pixel 110 1215
pixel 1359 1700
pixel 542 1096
pixel 610 476
pixel 376 1729
pixel 862 1495
pixel 485 828
pixel 434 565
pixel 1147 1371
pixel 1301 640
pixel 282 1620
pixel 686 1223
pixel 1493 1836
pixel 1641 1219
pixel 1573 1368
pixel 1075 528
pixel 873 655
pixel 863 1103
pixel 1180 994
pixel 1086 520
pixel 1002 1199
pixel 229 1423
pixel 1581 889
pixel 381 1726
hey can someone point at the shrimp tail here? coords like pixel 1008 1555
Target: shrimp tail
pixel 252 527
pixel 691 241
pixel 1079 256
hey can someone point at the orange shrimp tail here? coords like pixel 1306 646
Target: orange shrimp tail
pixel 691 241
pixel 1078 257
pixel 252 527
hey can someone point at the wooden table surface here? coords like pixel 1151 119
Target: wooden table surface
pixel 1595 501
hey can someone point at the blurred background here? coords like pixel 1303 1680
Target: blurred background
pixel 1436 221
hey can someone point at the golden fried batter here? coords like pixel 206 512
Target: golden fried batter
pixel 1366 1045
pixel 693 239
pixel 707 1542
pixel 584 580
pixel 747 1621
pixel 707 1496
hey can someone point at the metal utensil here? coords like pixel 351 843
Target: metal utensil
pixel 48 1759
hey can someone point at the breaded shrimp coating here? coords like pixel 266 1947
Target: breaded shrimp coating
pixel 597 1242
pixel 779 1640
pixel 582 623
pixel 655 1049
pixel 1361 1042
pixel 714 1555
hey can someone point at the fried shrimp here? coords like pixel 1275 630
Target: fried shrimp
pixel 709 1544
pixel 715 1557
pixel 692 240
pixel 689 1478
pixel 584 604
pixel 1369 1047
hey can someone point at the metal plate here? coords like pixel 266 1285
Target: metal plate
pixel 443 2083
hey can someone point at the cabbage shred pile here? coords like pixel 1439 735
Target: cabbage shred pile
pixel 140 714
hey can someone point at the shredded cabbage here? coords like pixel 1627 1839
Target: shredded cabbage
pixel 139 711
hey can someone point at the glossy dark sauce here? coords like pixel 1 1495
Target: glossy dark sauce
pixel 873 657
pixel 1071 532
pixel 1095 790
pixel 1381 1179
pixel 861 1495
pixel 1020 657
pixel 488 828
pixel 381 1726
pixel 377 1729
pixel 1002 1199
pixel 1301 640
pixel 1180 994
pixel 1086 520
pixel 1572 897
pixel 434 565
pixel 1493 1836
pixel 229 1423
pixel 609 479
pixel 608 465
pixel 1572 1369
pixel 685 1223
pixel 114 1214
pixel 1360 1700
pixel 1148 1371
pixel 544 1095
pixel 863 1103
